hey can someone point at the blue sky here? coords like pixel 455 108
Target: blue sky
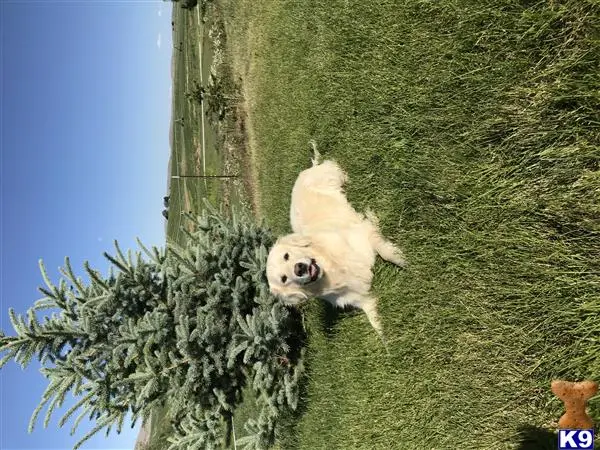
pixel 85 111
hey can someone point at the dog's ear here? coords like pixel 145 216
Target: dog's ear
pixel 294 240
pixel 289 295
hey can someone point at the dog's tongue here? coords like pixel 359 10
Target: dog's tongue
pixel 312 270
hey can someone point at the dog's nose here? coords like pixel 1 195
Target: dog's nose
pixel 300 269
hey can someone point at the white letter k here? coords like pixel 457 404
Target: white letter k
pixel 567 439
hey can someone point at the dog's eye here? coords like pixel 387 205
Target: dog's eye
pixel 286 256
pixel 283 279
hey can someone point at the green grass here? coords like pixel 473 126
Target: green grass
pixel 186 152
pixel 160 431
pixel 473 129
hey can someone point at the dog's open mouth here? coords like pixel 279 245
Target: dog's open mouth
pixel 313 270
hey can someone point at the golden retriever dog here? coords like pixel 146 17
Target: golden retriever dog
pixel 332 250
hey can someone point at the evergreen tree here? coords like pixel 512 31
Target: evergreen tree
pixel 187 328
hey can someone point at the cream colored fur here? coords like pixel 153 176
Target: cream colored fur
pixel 342 242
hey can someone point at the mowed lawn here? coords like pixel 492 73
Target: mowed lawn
pixel 472 128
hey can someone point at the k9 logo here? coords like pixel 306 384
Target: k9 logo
pixel 575 439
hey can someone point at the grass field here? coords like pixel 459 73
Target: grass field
pixel 473 129
pixel 194 143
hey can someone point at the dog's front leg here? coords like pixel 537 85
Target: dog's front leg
pixel 365 302
pixel 316 155
pixel 369 306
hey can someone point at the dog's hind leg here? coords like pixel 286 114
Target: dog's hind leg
pixel 388 251
pixel 384 248
pixel 316 155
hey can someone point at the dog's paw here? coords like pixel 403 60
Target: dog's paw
pixel 388 251
pixel 399 259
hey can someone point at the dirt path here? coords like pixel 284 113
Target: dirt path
pixel 143 438
pixel 249 162
pixel 241 63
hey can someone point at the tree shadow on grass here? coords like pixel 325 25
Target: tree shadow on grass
pixel 287 433
pixel 288 436
pixel 536 438
pixel 331 315
pixel 325 319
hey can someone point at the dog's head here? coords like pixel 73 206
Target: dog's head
pixel 293 268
